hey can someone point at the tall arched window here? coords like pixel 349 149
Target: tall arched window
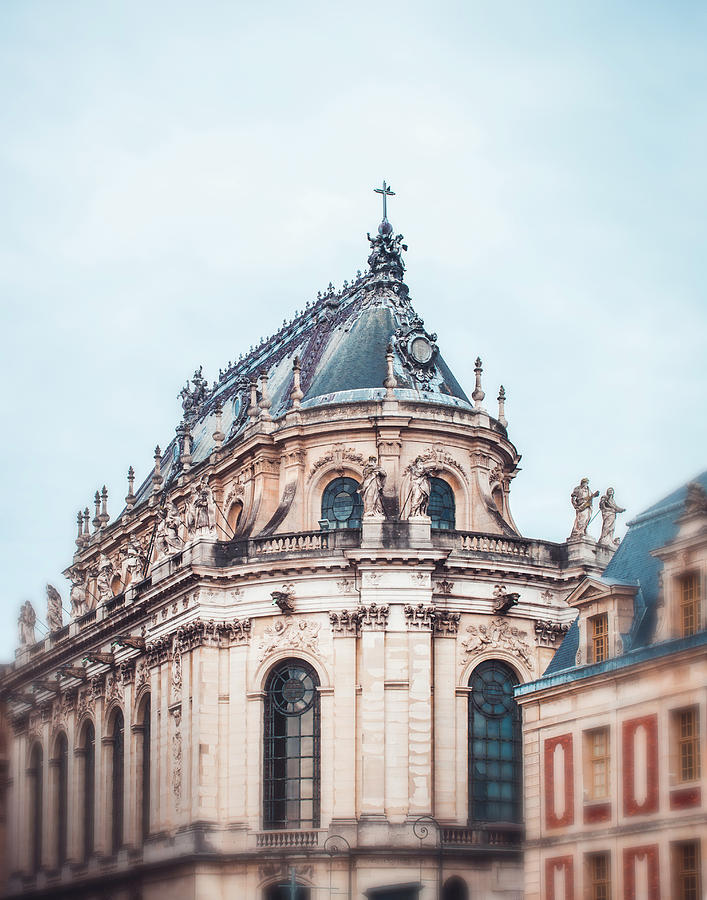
pixel 88 785
pixel 455 888
pixel 35 778
pixel 291 789
pixel 284 892
pixel 341 504
pixel 61 759
pixel 494 745
pixel 117 780
pixel 441 504
pixel 145 768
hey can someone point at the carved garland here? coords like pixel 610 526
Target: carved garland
pixel 497 635
pixel 438 455
pixel 338 456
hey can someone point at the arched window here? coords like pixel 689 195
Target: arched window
pixel 233 517
pixel 144 778
pixel 441 506
pixel 117 780
pixel 61 760
pixel 35 778
pixel 291 789
pixel 88 785
pixel 494 745
pixel 455 888
pixel 341 504
pixel 284 892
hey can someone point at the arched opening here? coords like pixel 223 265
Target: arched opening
pixel 116 585
pixel 61 762
pixel 341 504
pixel 284 892
pixel 233 517
pixel 455 888
pixel 497 494
pixel 117 771
pixel 440 508
pixel 292 734
pixel 35 779
pixel 144 763
pixel 494 745
pixel 88 787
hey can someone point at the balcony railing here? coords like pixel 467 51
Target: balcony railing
pixel 507 835
pixel 277 839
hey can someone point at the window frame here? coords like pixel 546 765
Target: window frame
pixel 687 745
pixel 680 873
pixel 594 760
pixel 334 487
pixel 598 871
pixel 440 487
pixel 599 638
pixel 689 591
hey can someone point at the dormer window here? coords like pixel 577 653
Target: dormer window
pixel 599 637
pixel 689 612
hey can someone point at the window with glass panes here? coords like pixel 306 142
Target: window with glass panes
pixel 600 637
pixel 494 745
pixel 687 881
pixel 599 763
pixel 440 507
pixel 291 788
pixel 688 744
pixel 599 876
pixel 689 615
pixel 341 504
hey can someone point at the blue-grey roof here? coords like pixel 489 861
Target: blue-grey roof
pixel 341 341
pixel 633 564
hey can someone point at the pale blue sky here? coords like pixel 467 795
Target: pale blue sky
pixel 176 178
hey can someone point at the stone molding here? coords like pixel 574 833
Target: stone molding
pixel 547 633
pixel 373 617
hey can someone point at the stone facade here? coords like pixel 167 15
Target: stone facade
pixel 226 566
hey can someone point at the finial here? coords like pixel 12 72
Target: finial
pixel 296 392
pixel 390 382
pixel 385 228
pixel 130 499
pixel 184 439
pixel 97 517
pixel 104 506
pixel 218 435
pixel 478 395
pixel 79 535
pixel 86 533
pixel 265 402
pixel 157 474
pixel 502 407
pixel 253 408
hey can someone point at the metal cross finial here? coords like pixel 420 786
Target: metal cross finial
pixel 386 191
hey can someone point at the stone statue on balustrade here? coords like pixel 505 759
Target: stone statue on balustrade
pixel 134 561
pixel 55 618
pixel 609 510
pixel 77 595
pixel 421 475
pixel 168 540
pixel 582 499
pixel 105 574
pixel 201 511
pixel 26 623
pixel 371 490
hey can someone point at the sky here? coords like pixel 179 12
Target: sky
pixel 177 178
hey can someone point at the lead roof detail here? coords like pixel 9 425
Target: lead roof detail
pixel 341 340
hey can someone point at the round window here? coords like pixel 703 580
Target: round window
pixel 421 350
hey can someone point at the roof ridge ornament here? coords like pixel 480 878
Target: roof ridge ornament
pixel 385 228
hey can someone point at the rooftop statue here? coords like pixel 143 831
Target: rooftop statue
pixel 55 619
pixel 168 540
pixel 193 399
pixel 371 490
pixel 582 499
pixel 77 594
pixel 609 510
pixel 421 473
pixel 201 511
pixel 26 623
pixel 104 576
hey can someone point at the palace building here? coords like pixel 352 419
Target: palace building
pixel 291 664
pixel 614 732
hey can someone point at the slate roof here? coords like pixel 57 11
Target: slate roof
pixel 633 564
pixel 341 341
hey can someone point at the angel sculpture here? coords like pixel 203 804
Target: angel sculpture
pixel 55 619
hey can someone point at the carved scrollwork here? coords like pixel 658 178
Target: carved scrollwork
pixel 338 457
pixel 438 457
pixel 345 622
pixel 547 633
pixel 499 634
pixel 373 616
pixel 297 634
pixel 420 616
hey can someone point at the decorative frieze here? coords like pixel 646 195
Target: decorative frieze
pixel 446 622
pixel 420 616
pixel 142 673
pixel 297 634
pixel 337 457
pixel 177 756
pixel 499 634
pixel 159 650
pixel 444 587
pixel 438 457
pixel 547 633
pixel 216 634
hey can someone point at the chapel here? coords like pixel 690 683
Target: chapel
pixel 290 667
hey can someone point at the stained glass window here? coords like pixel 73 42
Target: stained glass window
pixel 341 504
pixel 494 745
pixel 441 506
pixel 291 790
